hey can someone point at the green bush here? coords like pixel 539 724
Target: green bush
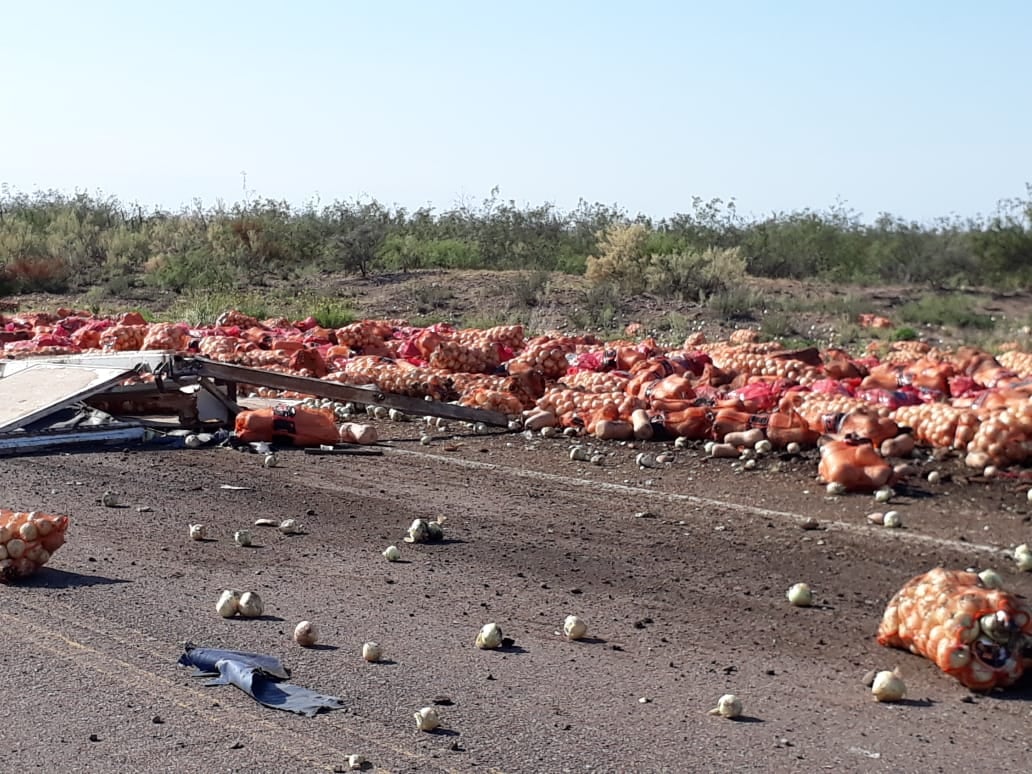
pixel 954 310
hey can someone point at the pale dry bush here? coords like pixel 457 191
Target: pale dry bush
pixel 622 259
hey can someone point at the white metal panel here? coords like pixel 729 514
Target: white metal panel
pixel 42 388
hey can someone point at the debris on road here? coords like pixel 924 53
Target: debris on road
pixel 391 553
pixel 259 676
pixel 197 532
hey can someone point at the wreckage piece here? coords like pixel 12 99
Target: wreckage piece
pixel 980 635
pixel 334 391
pixel 259 676
pixel 42 388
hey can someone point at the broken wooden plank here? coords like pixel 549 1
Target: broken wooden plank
pixel 337 391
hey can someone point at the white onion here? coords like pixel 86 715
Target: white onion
pixel 251 605
pixel 242 537
pixel 800 595
pixel 728 706
pixel 372 652
pixel 427 719
pixel 289 527
pixel 888 686
pixel 15 548
pixel 391 554
pixel 228 604
pixel 1022 555
pixel 197 532
pixel 28 532
pixel 892 519
pixel 574 628
pixel 991 579
pixel 306 634
pixel 356 762
pixel 489 637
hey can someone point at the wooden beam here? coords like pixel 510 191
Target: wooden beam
pixel 336 391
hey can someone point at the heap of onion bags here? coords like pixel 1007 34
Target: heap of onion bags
pixel 970 628
pixel 27 541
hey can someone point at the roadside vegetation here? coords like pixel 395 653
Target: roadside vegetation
pixel 250 254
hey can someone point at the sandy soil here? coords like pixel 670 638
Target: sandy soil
pixel 683 604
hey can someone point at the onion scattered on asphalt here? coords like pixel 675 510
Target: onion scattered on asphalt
pixel 197 532
pixel 991 579
pixel 242 537
pixel 109 500
pixel 793 448
pixel 1022 555
pixel 883 495
pixel 892 519
pixel 270 460
pixel 290 527
pixel 835 488
pixel 427 719
pixel 306 634
pixel 266 523
pixel 489 637
pixel 574 628
pixel 934 477
pixel 1028 495
pixel 372 652
pixel 800 595
pixel 728 706
pixel 250 605
pixel 356 761
pixel 391 553
pixel 888 686
pixel 228 604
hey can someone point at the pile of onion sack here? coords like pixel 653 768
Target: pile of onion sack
pixel 980 635
pixel 27 541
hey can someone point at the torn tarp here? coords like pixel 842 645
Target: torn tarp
pixel 259 676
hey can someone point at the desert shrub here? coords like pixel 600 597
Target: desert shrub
pixel 736 303
pixel 693 274
pixel 528 289
pixel 945 309
pixel 622 259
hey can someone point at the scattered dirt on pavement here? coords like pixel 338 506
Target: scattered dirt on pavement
pixel 680 573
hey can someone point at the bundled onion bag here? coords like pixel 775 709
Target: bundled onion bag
pixel 27 540
pixel 289 425
pixel 980 635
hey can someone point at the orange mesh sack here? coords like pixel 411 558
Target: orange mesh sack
pixel 293 425
pixel 27 540
pixel 980 635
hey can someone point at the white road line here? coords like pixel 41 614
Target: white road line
pixel 906 536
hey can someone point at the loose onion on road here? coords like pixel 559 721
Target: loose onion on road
pixel 306 634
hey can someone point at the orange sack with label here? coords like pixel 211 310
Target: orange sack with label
pixel 27 541
pixel 293 425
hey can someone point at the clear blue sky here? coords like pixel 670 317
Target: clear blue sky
pixel 916 108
